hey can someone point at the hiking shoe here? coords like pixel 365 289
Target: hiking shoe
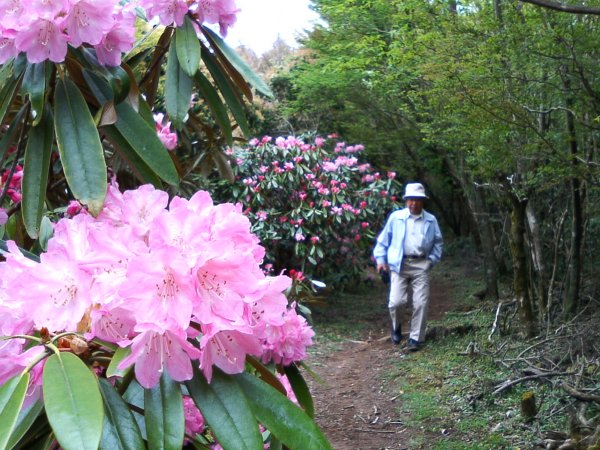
pixel 413 345
pixel 396 335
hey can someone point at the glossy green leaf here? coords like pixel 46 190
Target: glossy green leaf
pixel 35 173
pixel 140 169
pixel 25 421
pixel 241 66
pixel 79 146
pixel 232 100
pixel 226 410
pixel 178 89
pixel 134 396
pixel 12 394
pixel 73 402
pixel 34 84
pixel 165 421
pixel 121 431
pixel 301 389
pixel 113 369
pixel 217 108
pixel 188 47
pixel 142 138
pixel 99 87
pixel 283 418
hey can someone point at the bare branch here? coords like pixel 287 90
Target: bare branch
pixel 557 6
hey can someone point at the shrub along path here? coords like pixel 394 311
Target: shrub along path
pixel 355 404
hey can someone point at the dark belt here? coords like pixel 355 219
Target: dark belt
pixel 413 257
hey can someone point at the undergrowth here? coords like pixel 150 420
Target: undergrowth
pixel 456 394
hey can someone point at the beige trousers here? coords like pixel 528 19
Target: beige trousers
pixel 413 273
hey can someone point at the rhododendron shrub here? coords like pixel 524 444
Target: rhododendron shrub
pixel 316 204
pixel 150 300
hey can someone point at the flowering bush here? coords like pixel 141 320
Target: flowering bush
pixel 130 310
pixel 315 205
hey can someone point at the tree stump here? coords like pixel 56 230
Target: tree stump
pixel 528 407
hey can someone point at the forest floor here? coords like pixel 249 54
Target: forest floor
pixel 356 400
pixel 465 389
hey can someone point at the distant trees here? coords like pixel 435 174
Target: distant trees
pixel 494 105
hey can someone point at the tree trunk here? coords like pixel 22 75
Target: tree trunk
pixel 519 258
pixel 574 268
pixel 489 244
pixel 537 257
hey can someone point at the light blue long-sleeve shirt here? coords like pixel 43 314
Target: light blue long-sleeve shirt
pixel 389 247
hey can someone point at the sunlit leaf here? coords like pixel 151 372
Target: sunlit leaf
pixel 79 146
pixel 188 47
pixel 241 66
pixel 35 173
pixel 12 394
pixel 25 421
pixel 282 417
pixel 73 402
pixel 226 410
pixel 165 422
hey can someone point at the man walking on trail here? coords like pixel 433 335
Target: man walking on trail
pixel 407 248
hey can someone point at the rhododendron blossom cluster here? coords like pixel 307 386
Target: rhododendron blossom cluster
pixel 179 283
pixel 44 29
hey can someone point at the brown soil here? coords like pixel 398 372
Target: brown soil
pixel 355 407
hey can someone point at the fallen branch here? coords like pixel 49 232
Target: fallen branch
pixel 509 383
pixel 579 395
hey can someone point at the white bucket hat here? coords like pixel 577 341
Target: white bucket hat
pixel 414 190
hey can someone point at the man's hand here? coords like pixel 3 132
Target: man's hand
pixel 384 272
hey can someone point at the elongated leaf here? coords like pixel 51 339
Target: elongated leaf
pixel 226 410
pixel 35 173
pixel 26 419
pixel 217 108
pixel 113 369
pixel 12 394
pixel 241 66
pixel 121 431
pixel 300 389
pixel 188 47
pixel 145 143
pixel 134 395
pixel 79 146
pixel 277 413
pixel 7 94
pixel 232 100
pixel 34 84
pixel 13 130
pixel 73 402
pixel 165 421
pixel 178 88
pixel 137 165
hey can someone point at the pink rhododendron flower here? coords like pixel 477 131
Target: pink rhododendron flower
pixel 88 21
pixel 155 350
pixel 118 39
pixel 43 39
pixel 3 216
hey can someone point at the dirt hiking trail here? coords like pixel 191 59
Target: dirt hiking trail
pixel 354 405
